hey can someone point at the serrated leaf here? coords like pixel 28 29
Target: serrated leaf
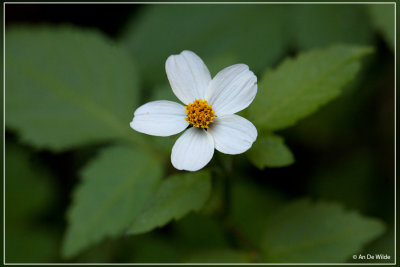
pixel 174 198
pixel 270 151
pixel 67 87
pixel 250 33
pixel 382 17
pixel 316 232
pixel 114 189
pixel 299 86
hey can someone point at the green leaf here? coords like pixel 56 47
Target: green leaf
pixel 174 198
pixel 251 34
pixel 114 189
pixel 382 16
pixel 67 87
pixel 316 232
pixel 29 194
pixel 299 86
pixel 270 151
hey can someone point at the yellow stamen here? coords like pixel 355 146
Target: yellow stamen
pixel 199 113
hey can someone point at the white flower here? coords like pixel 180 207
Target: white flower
pixel 210 109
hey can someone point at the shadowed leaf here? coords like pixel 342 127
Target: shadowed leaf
pixel 174 198
pixel 67 87
pixel 316 232
pixel 114 188
pixel 300 85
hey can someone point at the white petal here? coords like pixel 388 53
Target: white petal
pixel 232 134
pixel 161 118
pixel 188 76
pixel 193 150
pixel 232 90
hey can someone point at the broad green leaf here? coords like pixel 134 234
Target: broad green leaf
pixel 253 34
pixel 382 17
pixel 219 256
pixel 67 87
pixel 299 86
pixel 174 198
pixel 316 232
pixel 321 25
pixel 270 151
pixel 28 196
pixel 114 188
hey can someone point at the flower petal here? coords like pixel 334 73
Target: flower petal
pixel 232 89
pixel 193 150
pixel 160 118
pixel 232 134
pixel 188 76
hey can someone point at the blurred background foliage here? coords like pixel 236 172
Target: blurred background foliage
pixel 76 73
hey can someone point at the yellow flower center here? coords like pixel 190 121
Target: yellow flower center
pixel 199 113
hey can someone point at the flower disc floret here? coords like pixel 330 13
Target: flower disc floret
pixel 199 113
